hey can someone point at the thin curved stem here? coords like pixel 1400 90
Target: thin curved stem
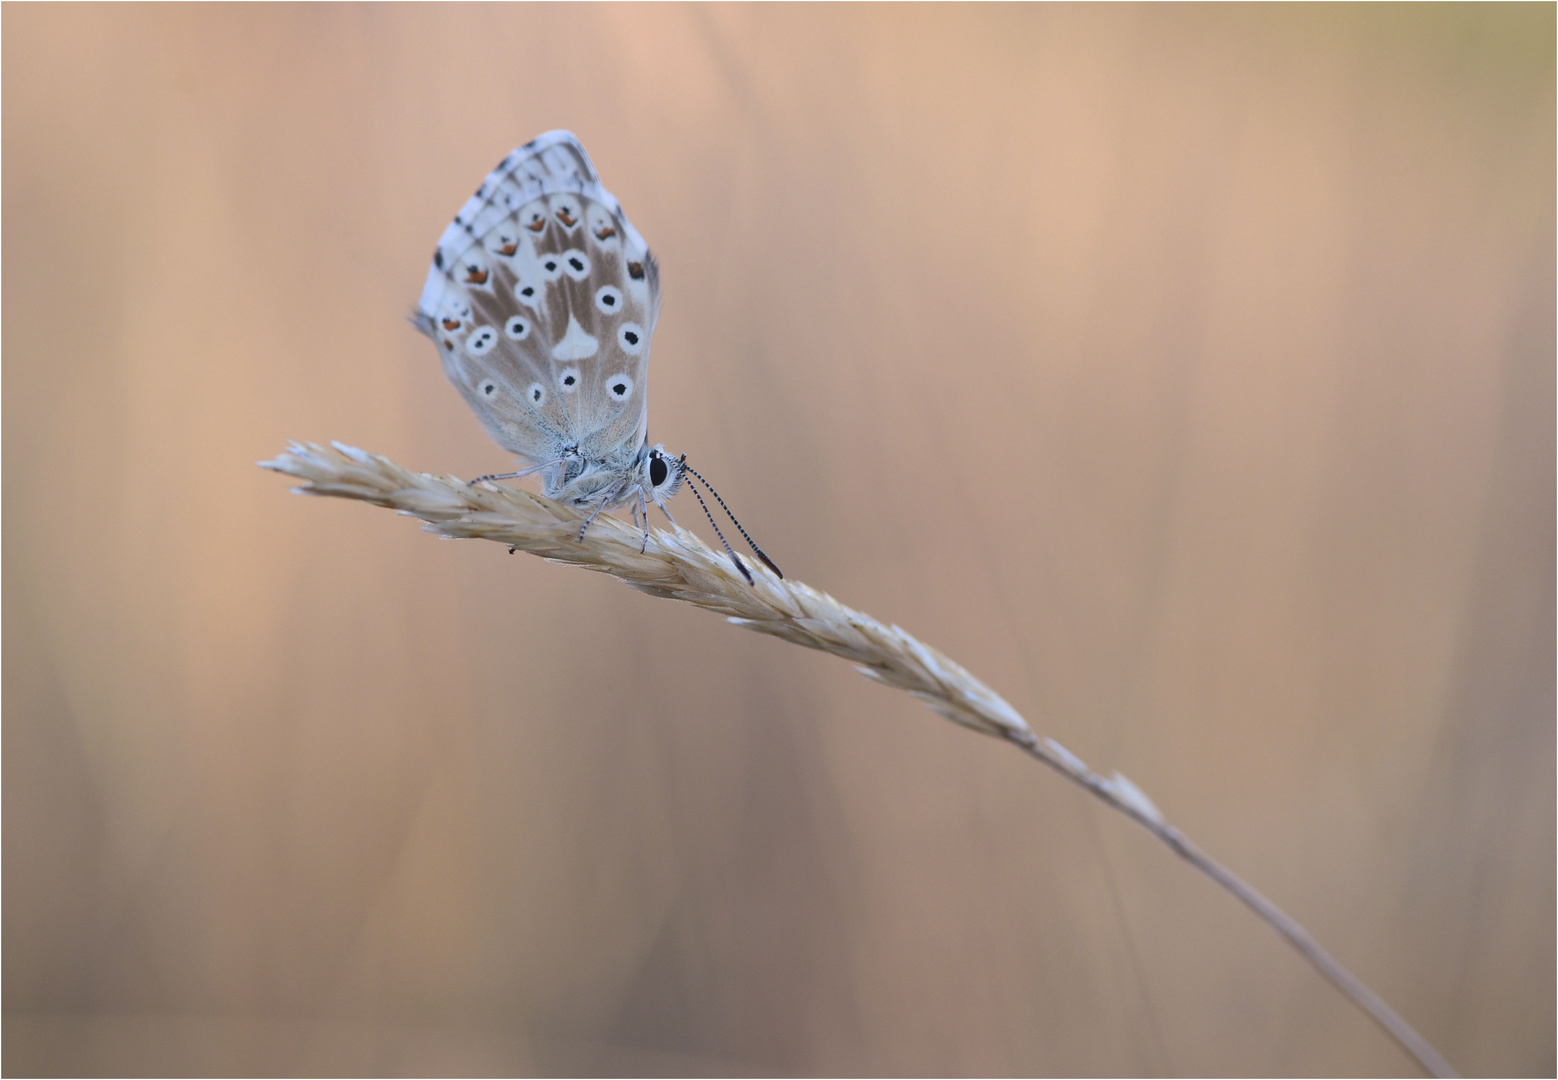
pixel 680 566
pixel 1147 817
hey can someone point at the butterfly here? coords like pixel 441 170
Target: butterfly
pixel 542 299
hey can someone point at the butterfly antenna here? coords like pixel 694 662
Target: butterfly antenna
pixel 733 556
pixel 766 560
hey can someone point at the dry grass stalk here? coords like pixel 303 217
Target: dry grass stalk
pixel 678 565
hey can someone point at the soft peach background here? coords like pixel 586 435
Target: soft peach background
pixel 1187 373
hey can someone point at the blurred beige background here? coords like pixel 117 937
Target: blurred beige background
pixel 1187 373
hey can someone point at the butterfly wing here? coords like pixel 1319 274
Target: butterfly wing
pixel 542 299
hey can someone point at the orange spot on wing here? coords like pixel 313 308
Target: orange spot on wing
pixel 451 325
pixel 605 231
pixel 636 271
pixel 475 275
pixel 508 249
pixel 537 225
pixel 566 218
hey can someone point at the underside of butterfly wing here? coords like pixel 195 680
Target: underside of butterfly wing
pixel 542 300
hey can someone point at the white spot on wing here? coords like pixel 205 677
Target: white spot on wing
pixel 631 337
pixel 567 211
pixel 576 344
pixel 608 300
pixel 481 341
pixel 533 217
pixel 454 314
pixel 576 264
pixel 601 226
pixel 474 273
pixel 503 241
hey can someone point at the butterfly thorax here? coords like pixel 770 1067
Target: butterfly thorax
pixel 649 475
pixel 580 479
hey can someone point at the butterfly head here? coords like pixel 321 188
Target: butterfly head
pixel 663 474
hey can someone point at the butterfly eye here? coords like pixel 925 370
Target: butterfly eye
pixel 631 337
pixel 658 470
pixel 551 267
pixel 619 387
pixel 481 341
pixel 576 264
pixel 568 381
pixel 609 299
pixel 536 393
pixel 517 328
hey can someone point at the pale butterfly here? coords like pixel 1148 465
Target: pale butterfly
pixel 542 299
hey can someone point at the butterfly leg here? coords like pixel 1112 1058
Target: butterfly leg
pixel 605 502
pixel 515 475
pixel 641 511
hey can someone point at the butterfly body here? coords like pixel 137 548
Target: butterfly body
pixel 542 299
